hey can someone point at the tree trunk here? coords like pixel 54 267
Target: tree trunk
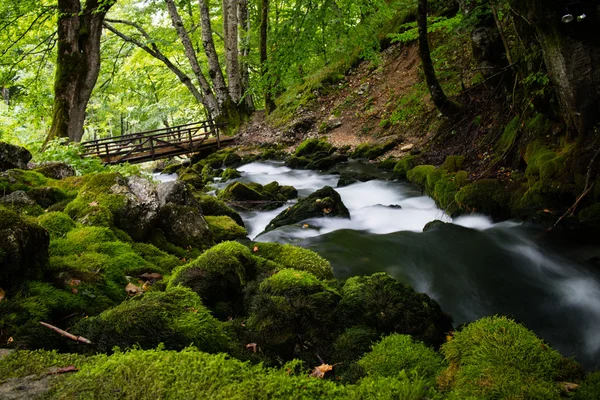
pixel 232 63
pixel 244 40
pixel 572 55
pixel 447 107
pixel 214 68
pixel 77 66
pixel 189 51
pixel 264 26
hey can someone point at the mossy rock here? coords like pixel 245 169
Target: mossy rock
pixel 152 254
pixel 176 318
pixel 12 156
pixel 297 162
pixel 353 343
pixel 325 202
pixel 294 257
pixel 232 160
pixel 56 170
pixel 184 226
pixel 453 163
pixel 404 165
pixel 229 174
pixel 396 353
pixel 486 196
pixel 590 214
pixel 23 249
pixel 211 206
pixel 254 196
pixel 327 162
pixel 381 302
pixel 191 177
pixel 48 196
pixel 350 177
pixel 312 146
pixel 219 276
pixel 509 358
pixel 20 202
pixel 590 387
pixel 372 151
pixel 224 229
pixel 419 174
pixel 16 179
pixel 57 224
pixel 293 315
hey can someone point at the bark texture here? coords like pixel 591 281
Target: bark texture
pixel 244 45
pixel 78 64
pixel 448 108
pixel 232 63
pixel 264 26
pixel 572 56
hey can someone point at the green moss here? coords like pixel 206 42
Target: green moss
pixel 419 174
pixel 590 387
pixel 158 239
pixel 403 166
pixel 312 146
pixel 230 173
pixel 372 151
pixel 297 258
pixel 444 193
pixel 287 280
pixel 396 353
pixel 406 311
pixel 224 228
pixel 487 196
pixel 24 363
pixel 17 179
pixel 219 275
pixel 496 357
pixel 388 164
pixel 453 163
pixel 177 318
pixel 352 343
pixel 56 223
pixel 191 374
pixel 211 206
pixel 152 254
pixel 509 135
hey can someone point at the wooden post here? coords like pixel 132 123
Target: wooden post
pixel 152 146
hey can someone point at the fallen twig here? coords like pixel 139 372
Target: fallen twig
pixel 66 334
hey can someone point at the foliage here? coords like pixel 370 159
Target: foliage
pixel 410 32
pixel 396 353
pixel 176 318
pixel 497 357
pixel 298 258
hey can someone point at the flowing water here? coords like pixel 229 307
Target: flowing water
pixel 471 266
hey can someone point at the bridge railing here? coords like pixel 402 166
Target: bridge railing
pixel 154 143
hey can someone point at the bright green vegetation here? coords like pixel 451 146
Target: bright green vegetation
pixel 176 318
pixel 297 258
pixel 400 352
pixel 496 357
pixel 224 228
pixel 56 223
pixel 372 151
pixel 254 196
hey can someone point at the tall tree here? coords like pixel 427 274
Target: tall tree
pixel 448 108
pixel 77 65
pixel 264 27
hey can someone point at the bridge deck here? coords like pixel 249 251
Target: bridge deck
pixel 157 144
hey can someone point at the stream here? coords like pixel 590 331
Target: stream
pixel 471 266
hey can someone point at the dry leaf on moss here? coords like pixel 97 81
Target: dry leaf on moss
pixel 321 370
pixel 2 294
pixel 251 346
pixel 132 289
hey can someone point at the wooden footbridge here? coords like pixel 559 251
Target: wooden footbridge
pixel 157 144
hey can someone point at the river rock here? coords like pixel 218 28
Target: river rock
pixel 56 170
pixel 254 196
pixel 18 197
pixel 431 225
pixel 23 249
pixel 184 226
pixel 211 206
pixel 139 212
pixel 176 192
pixel 12 156
pixel 325 202
pixel 349 177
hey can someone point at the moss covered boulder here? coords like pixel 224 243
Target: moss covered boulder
pixel 229 174
pixel 57 224
pixel 219 276
pixel 20 202
pixel 211 206
pixel 224 229
pixel 510 359
pixel 370 151
pixel 381 302
pixel 23 249
pixel 487 196
pixel 295 257
pixel 176 318
pixel 325 202
pixel 292 315
pixel 131 204
pixel 184 226
pixel 254 196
